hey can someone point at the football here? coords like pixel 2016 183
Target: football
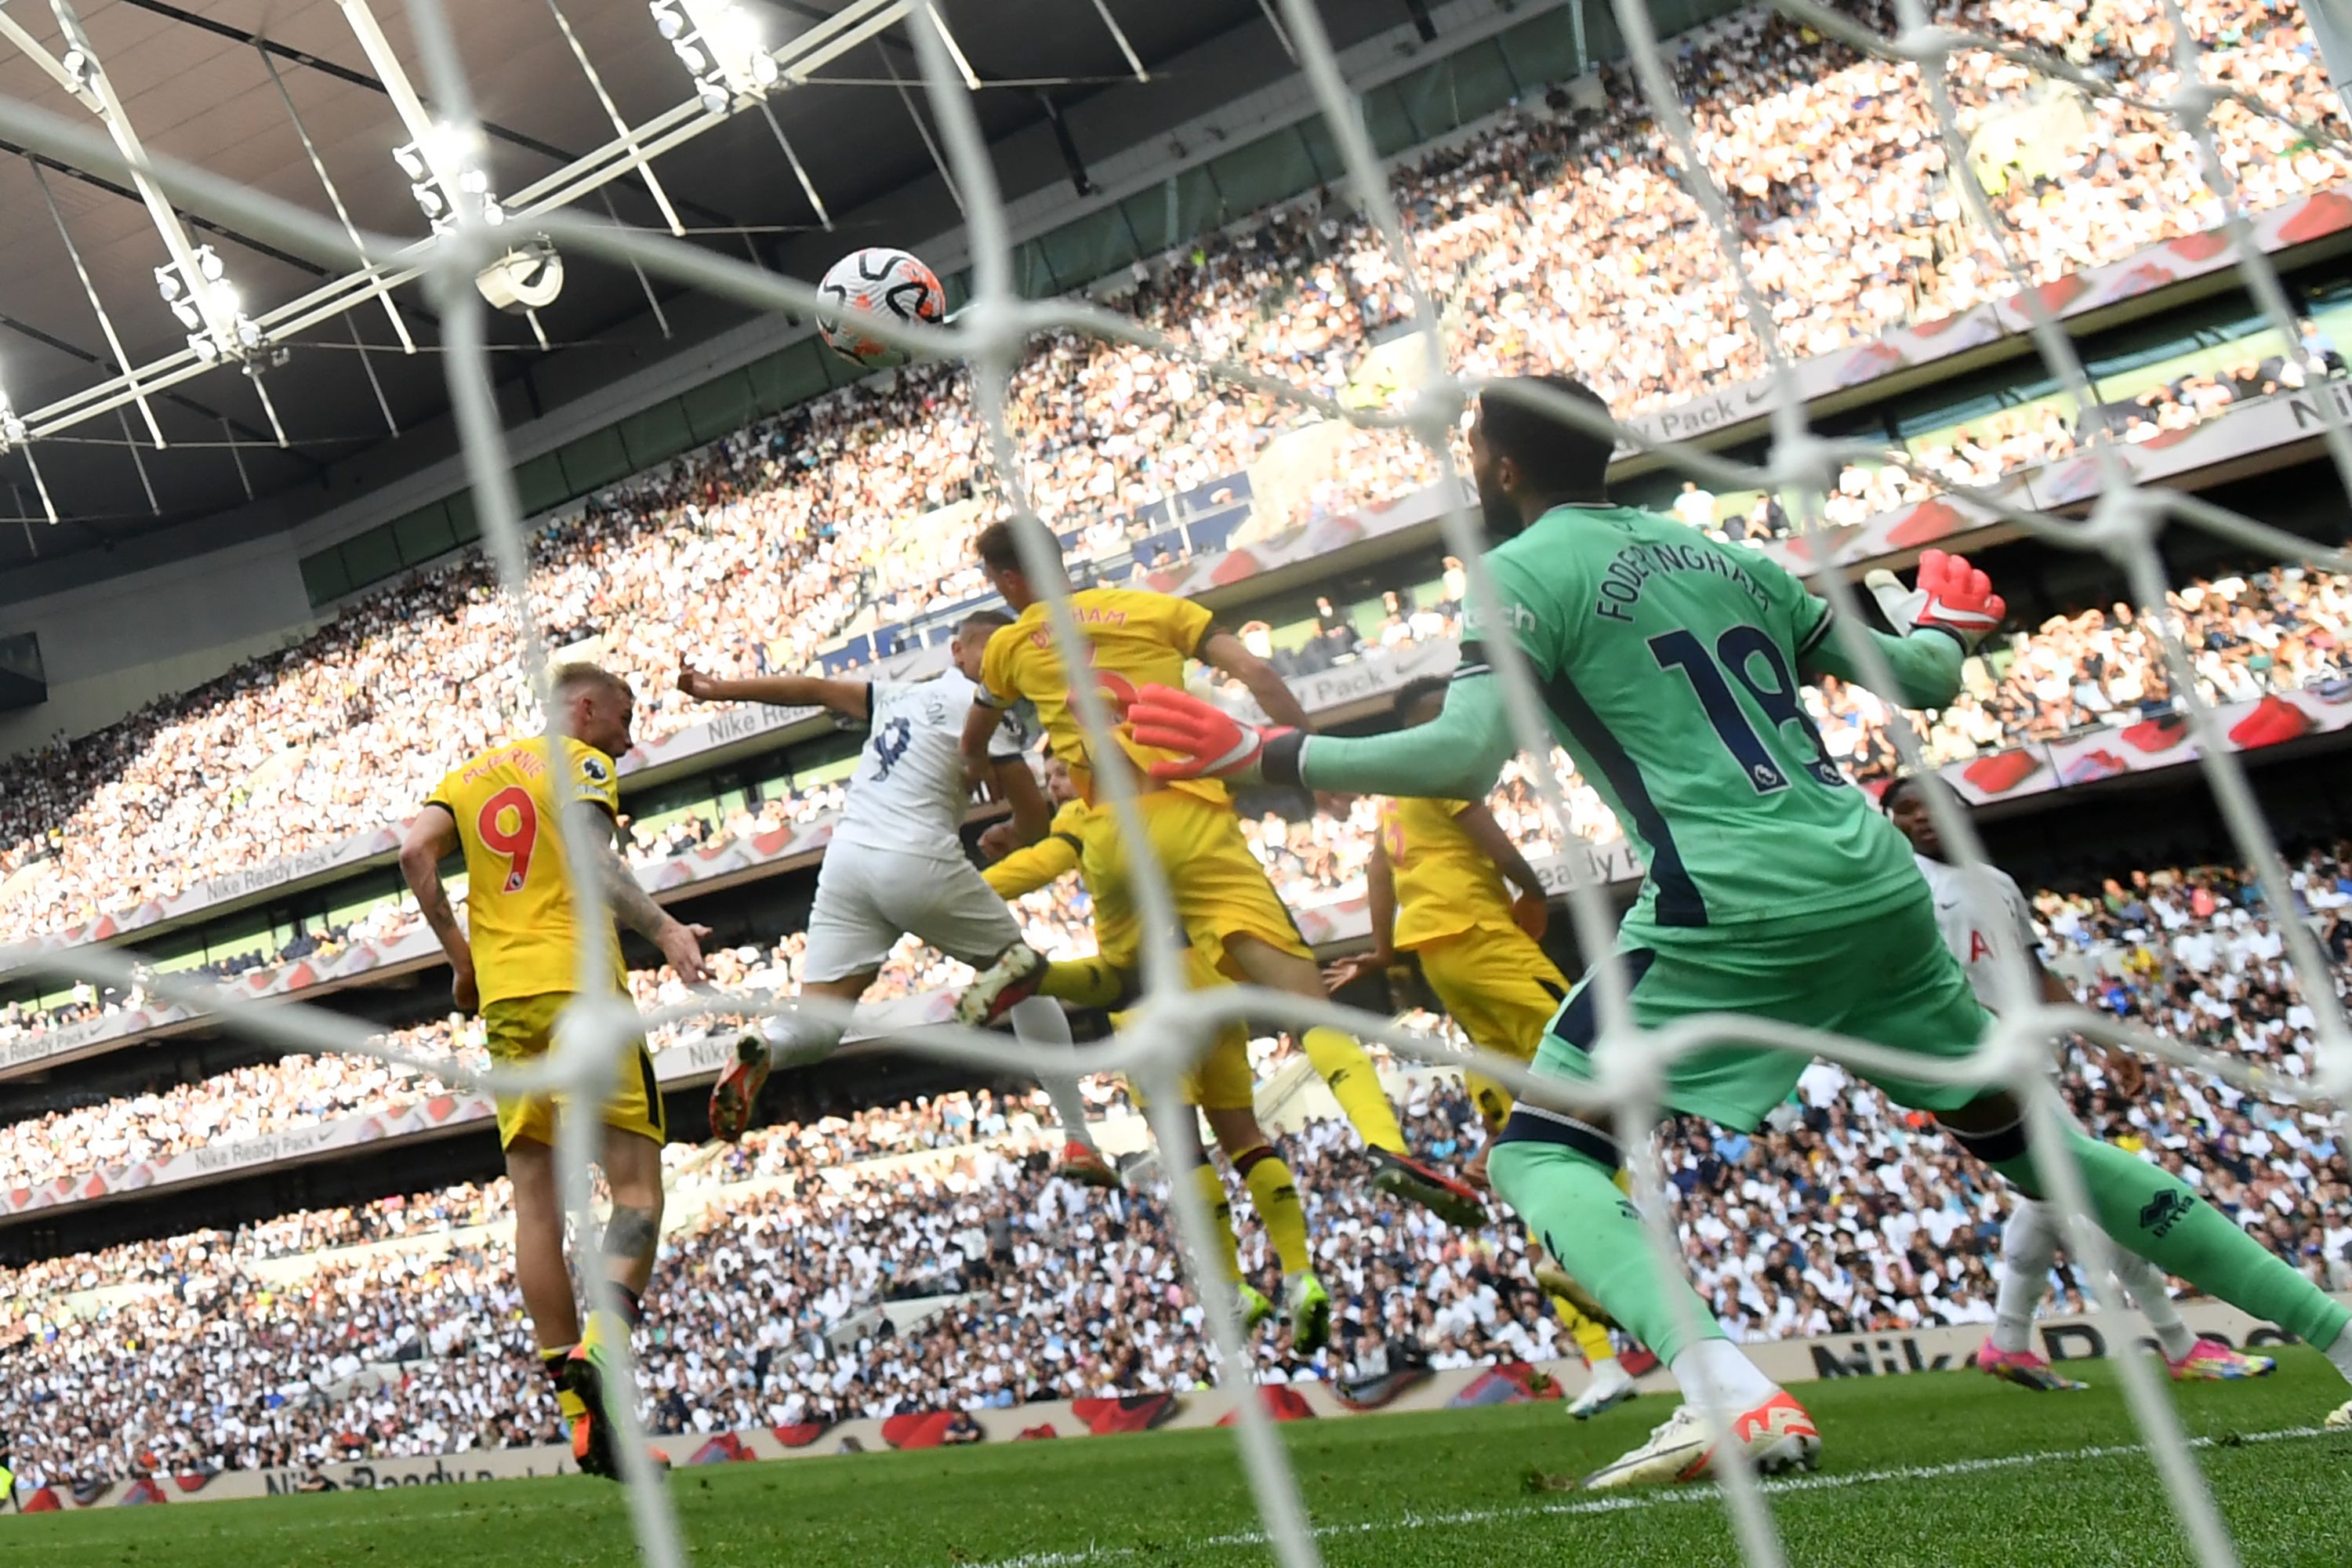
pixel 878 281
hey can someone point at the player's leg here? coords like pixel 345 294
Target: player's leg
pixel 798 1038
pixel 2149 1212
pixel 953 909
pixel 849 939
pixel 517 1029
pixel 2029 1246
pixel 545 1283
pixel 636 1126
pixel 1558 1169
pixel 1222 1094
pixel 1501 989
pixel 1922 1002
pixel 1347 1070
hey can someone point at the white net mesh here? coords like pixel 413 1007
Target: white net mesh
pixel 1170 1026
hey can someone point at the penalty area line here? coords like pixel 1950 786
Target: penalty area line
pixel 1664 1497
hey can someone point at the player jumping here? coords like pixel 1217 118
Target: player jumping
pixel 896 866
pixel 1435 889
pixel 1223 899
pixel 1084 838
pixel 1669 667
pixel 516 962
pixel 1984 916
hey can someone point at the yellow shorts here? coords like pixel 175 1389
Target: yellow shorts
pixel 1219 888
pixel 522 1028
pixel 1497 984
pixel 1220 1079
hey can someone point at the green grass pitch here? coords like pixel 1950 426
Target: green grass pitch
pixel 1937 1469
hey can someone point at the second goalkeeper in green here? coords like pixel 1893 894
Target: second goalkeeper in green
pixel 1669 667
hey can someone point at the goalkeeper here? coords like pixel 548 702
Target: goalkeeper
pixel 1669 668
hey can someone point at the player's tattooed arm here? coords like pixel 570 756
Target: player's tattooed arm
pixel 430 836
pixel 1224 651
pixel 631 906
pixel 846 698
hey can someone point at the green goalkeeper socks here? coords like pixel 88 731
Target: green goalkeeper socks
pixel 1570 1202
pixel 2152 1213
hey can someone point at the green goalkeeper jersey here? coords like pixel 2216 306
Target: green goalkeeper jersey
pixel 1668 666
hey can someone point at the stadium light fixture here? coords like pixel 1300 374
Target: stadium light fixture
pixel 442 164
pixel 719 43
pixel 193 282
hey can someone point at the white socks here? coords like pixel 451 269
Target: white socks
pixel 1715 1376
pixel 2029 1245
pixel 1040 1021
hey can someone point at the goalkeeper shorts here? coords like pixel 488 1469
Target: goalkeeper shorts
pixel 1888 980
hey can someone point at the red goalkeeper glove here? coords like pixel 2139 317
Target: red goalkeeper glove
pixel 1209 743
pixel 1952 598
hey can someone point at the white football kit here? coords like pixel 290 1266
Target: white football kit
pixel 1984 917
pixel 896 864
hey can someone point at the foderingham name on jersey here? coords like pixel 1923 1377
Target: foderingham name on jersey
pixel 909 792
pixel 1631 569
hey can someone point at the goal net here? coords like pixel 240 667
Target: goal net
pixel 2173 94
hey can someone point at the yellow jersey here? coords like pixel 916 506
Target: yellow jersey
pixel 518 912
pixel 1135 637
pixel 1445 883
pixel 1083 839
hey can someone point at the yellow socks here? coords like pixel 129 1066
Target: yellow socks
pixel 1083 983
pixel 569 1402
pixel 1223 1245
pixel 1341 1063
pixel 1274 1194
pixel 1493 1101
pixel 1591 1339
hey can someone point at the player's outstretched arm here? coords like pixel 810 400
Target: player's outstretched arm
pixel 846 698
pixel 631 906
pixel 1224 651
pixel 1531 909
pixel 431 837
pixel 1027 869
pixel 1455 755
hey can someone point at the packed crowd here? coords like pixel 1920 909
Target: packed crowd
pixel 1844 1215
pixel 757 551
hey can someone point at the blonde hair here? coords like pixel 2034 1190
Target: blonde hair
pixel 567 675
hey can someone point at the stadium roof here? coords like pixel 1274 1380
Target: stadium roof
pixel 238 86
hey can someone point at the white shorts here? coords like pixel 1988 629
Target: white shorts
pixel 867 898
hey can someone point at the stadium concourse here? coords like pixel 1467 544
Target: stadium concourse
pixel 267 1343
